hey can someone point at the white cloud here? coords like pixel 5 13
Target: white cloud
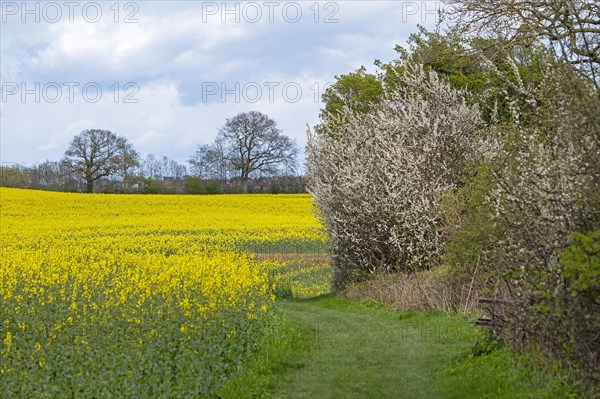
pixel 168 54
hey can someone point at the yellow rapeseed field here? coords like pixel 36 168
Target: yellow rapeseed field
pixel 141 296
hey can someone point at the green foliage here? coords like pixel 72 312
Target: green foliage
pixel 276 189
pixel 499 373
pixel 579 306
pixel 468 224
pixel 212 187
pixel 481 66
pixel 357 90
pixel 471 232
pixel 447 54
pixel 152 186
pixel 581 262
pixel 12 176
pixel 114 356
pixel 195 185
pixel 281 346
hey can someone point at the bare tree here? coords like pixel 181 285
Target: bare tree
pixel 201 160
pixel 151 167
pixel 47 174
pixel 254 144
pixel 210 161
pixel 129 160
pixel 96 153
pixel 172 168
pixel 572 27
pixel 221 167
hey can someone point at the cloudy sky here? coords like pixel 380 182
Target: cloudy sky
pixel 166 74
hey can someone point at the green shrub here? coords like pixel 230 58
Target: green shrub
pixel 580 307
pixel 378 183
pixel 581 262
pixel 471 231
pixel 152 186
pixel 193 185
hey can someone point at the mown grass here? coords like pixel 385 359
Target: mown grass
pixel 331 347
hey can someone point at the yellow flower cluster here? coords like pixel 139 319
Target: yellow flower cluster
pixel 85 278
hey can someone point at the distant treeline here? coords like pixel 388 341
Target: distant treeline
pixel 249 155
pixel 53 176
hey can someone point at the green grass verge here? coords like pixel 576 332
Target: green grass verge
pixel 281 351
pixel 330 347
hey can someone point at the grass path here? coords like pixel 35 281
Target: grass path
pixel 331 347
pixel 362 351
